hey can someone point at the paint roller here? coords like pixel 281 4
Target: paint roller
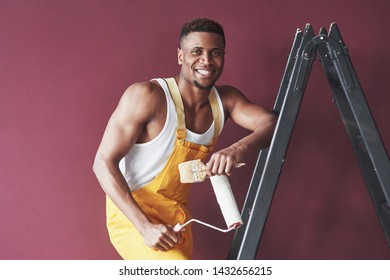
pixel 227 204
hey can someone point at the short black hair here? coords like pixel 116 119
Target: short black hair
pixel 202 25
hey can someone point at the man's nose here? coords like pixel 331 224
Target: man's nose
pixel 206 58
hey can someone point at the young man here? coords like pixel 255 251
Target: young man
pixel 161 123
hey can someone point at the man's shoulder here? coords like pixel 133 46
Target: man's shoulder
pixel 144 92
pixel 231 97
pixel 228 92
pixel 148 87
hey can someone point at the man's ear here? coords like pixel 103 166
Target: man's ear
pixel 179 56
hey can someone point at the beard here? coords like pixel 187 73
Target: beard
pixel 209 87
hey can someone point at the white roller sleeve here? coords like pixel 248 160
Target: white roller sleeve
pixel 226 201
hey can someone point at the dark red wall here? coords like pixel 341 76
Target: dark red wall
pixel 64 65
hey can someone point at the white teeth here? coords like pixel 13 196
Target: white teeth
pixel 204 72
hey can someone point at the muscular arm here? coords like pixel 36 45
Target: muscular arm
pixel 247 115
pixel 136 109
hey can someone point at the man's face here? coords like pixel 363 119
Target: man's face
pixel 201 55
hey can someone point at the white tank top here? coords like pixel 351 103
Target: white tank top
pixel 145 160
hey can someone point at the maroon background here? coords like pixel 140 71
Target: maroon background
pixel 65 64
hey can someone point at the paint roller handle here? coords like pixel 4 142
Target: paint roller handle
pixel 180 227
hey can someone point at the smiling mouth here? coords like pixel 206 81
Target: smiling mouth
pixel 205 73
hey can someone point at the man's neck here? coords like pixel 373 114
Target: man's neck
pixel 193 97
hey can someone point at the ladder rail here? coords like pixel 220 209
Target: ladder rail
pixel 359 124
pixel 277 150
pixel 260 163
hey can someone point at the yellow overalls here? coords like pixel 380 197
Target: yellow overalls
pixel 164 200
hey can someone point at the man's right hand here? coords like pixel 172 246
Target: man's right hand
pixel 160 237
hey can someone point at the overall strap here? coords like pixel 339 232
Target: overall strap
pixel 181 124
pixel 216 112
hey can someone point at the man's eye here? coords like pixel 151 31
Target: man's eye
pixel 196 52
pixel 216 53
